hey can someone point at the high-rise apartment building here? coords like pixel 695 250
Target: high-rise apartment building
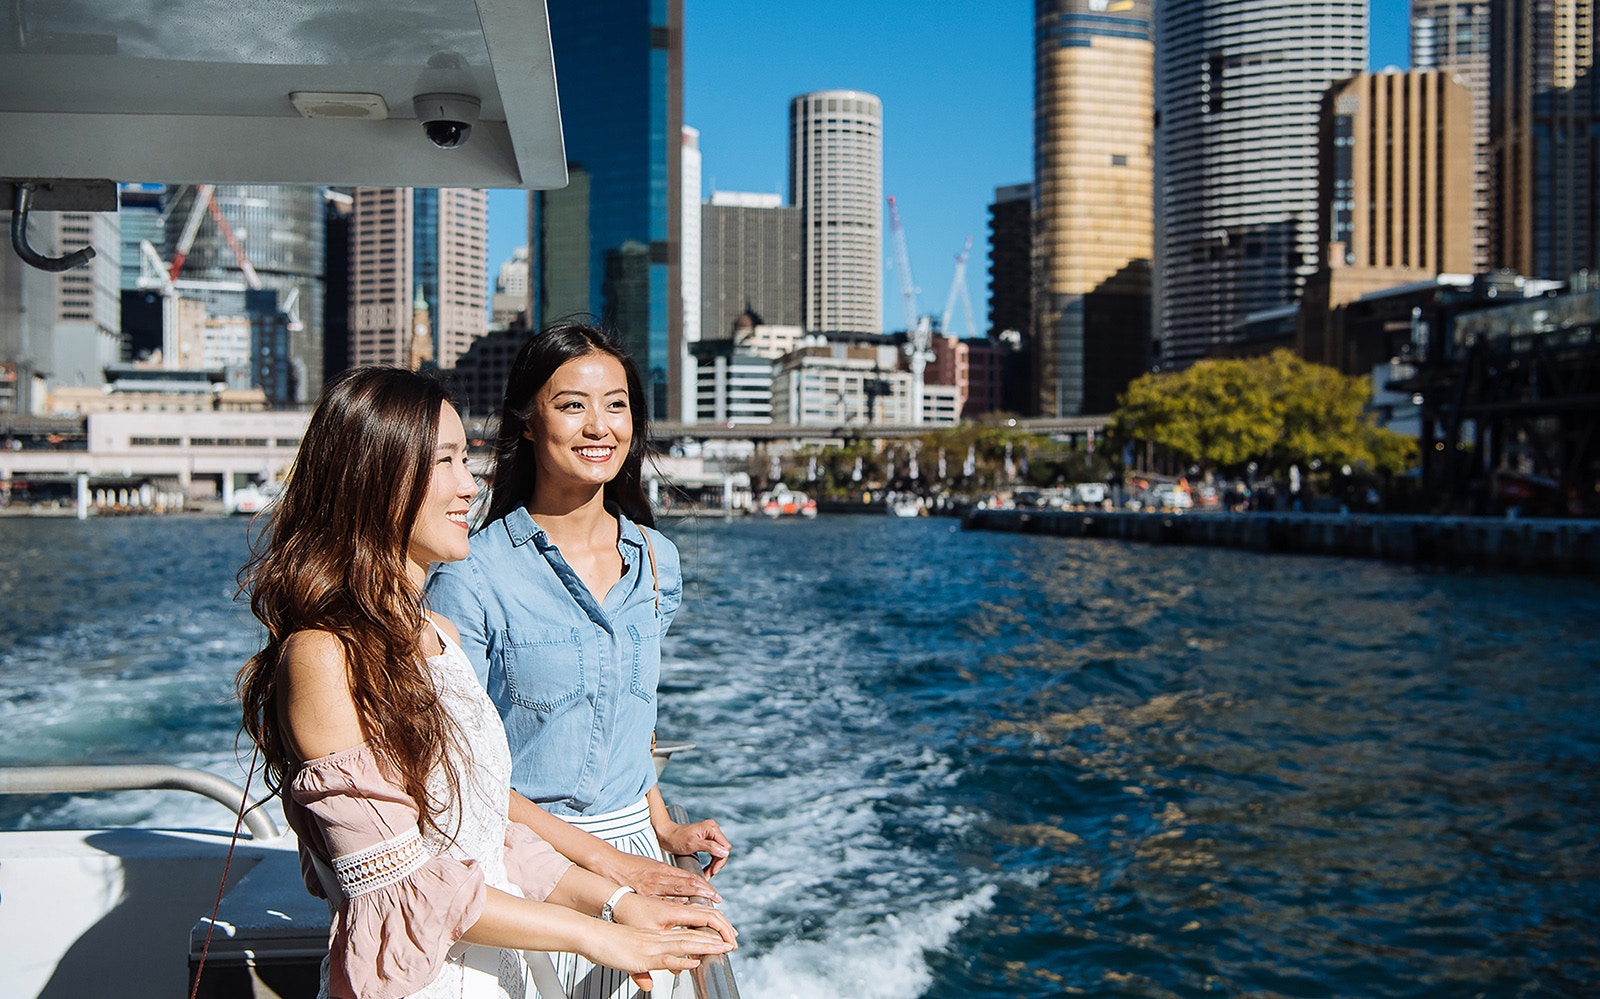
pixel 1092 226
pixel 406 243
pixel 1544 111
pixel 1395 197
pixel 59 330
pixel 607 246
pixel 750 261
pixel 87 335
pixel 381 247
pixel 451 266
pixel 836 181
pixel 1238 87
pixel 1452 36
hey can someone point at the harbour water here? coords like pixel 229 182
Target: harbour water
pixel 972 764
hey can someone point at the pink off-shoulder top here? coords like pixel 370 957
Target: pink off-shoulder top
pixel 401 899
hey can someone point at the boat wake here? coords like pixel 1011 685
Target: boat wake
pixel 885 960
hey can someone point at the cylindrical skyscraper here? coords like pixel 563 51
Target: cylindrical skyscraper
pixel 1092 226
pixel 836 180
pixel 1238 88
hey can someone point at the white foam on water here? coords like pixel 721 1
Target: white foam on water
pixel 884 959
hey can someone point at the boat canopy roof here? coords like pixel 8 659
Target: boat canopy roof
pixel 276 92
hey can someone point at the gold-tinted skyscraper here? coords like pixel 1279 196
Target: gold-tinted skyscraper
pixel 1093 169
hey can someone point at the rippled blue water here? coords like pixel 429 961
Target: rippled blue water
pixel 965 764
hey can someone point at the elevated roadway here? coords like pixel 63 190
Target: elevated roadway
pixel 1049 426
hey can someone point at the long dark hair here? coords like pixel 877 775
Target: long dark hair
pixel 515 469
pixel 333 558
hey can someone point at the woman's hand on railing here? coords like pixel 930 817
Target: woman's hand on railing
pixel 653 913
pixel 638 951
pixel 652 877
pixel 686 839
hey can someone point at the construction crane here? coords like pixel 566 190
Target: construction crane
pixel 918 328
pixel 154 275
pixel 203 202
pixel 958 289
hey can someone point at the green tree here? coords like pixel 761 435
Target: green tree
pixel 1276 411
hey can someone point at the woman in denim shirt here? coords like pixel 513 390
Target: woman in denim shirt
pixel 562 606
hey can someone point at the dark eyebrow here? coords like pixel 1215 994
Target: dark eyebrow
pixel 580 393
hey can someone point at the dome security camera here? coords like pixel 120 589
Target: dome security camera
pixel 447 119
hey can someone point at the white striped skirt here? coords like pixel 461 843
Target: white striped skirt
pixel 629 830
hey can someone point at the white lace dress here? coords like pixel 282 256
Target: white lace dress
pixel 401 899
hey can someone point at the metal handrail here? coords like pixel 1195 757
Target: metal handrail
pixel 137 777
pixel 662 753
pixel 713 979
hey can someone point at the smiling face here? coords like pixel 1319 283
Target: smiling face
pixel 440 531
pixel 582 425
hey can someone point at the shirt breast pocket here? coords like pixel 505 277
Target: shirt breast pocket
pixel 645 638
pixel 544 669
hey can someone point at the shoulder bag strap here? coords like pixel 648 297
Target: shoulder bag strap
pixel 655 576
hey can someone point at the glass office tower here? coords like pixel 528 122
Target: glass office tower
pixel 606 246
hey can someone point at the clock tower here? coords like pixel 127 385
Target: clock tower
pixel 421 348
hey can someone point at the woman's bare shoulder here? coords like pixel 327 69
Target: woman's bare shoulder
pixel 314 656
pixel 319 709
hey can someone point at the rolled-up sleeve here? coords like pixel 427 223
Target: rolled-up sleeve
pixel 453 593
pixel 669 571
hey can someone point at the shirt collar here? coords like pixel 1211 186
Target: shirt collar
pixel 521 529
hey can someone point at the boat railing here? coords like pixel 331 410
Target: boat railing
pixel 138 777
pixel 713 979
pixel 662 752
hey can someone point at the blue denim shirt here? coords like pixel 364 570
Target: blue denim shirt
pixel 574 680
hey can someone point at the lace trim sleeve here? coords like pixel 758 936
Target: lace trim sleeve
pixel 380 865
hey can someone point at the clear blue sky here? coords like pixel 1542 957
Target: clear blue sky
pixel 956 79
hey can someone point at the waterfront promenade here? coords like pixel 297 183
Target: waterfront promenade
pixel 1530 544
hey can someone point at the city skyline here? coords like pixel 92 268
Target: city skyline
pixel 940 79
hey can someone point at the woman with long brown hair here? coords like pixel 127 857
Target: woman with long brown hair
pixel 390 760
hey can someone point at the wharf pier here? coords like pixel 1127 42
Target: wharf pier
pixel 1564 547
